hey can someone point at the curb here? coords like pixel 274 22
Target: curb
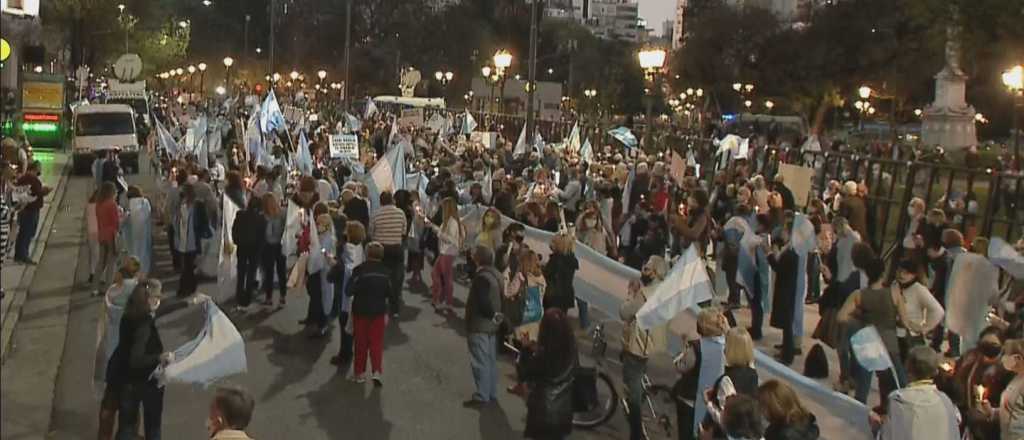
pixel 10 321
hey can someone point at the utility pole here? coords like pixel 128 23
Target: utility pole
pixel 245 45
pixel 273 19
pixel 531 82
pixel 348 49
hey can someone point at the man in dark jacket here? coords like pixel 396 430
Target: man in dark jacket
pixel 482 320
pixel 249 234
pixel 370 289
pixel 788 201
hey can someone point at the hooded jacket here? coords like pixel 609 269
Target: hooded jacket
pixel 921 411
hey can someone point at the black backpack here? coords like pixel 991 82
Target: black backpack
pixel 816 365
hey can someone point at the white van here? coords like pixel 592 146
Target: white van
pixel 100 127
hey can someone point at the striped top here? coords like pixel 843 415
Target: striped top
pixel 388 225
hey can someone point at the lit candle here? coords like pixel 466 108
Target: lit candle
pixel 947 367
pixel 979 391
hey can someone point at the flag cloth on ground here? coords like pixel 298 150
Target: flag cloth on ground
pixel 304 160
pixel 624 135
pixel 468 123
pixel 271 117
pixel 165 140
pixel 217 352
pixel 685 286
pixel 587 152
pixel 1006 257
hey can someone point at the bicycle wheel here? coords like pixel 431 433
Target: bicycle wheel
pixel 659 413
pixel 607 404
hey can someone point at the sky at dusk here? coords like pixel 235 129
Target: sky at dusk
pixel 656 12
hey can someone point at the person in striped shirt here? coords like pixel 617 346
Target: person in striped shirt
pixel 388 226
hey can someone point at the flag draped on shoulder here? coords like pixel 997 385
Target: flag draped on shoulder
pixel 685 286
pixel 217 352
pixel 271 117
pixel 624 135
pixel 1006 257
pixel 388 174
pixel 803 240
pixel 304 160
pixel 468 123
pixel 626 190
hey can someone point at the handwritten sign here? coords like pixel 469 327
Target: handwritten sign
pixel 345 146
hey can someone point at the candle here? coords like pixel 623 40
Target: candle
pixel 947 367
pixel 979 391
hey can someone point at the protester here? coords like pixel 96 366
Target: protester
pixel 451 237
pixel 979 367
pixel 139 229
pixel 637 344
pixel 549 371
pixel 108 334
pixel 787 417
pixel 389 227
pixel 783 260
pixel 139 351
pixel 559 273
pixel 919 410
pixel 700 365
pixel 108 222
pixel 191 225
pixel 272 258
pixel 28 216
pixel 370 289
pixel 230 413
pixel 923 312
pixel 318 285
pixel 249 235
pixel 482 320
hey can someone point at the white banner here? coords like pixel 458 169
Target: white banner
pixel 345 146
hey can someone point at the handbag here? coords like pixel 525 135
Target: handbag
pixel 584 389
pixel 533 310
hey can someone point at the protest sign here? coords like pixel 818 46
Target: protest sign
pixel 412 117
pixel 345 146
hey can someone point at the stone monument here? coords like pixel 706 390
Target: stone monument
pixel 949 121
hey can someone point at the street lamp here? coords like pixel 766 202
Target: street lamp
pixel 769 105
pixel 202 78
pixel 747 104
pixel 322 75
pixel 228 62
pixel 864 92
pixel 502 61
pixel 651 61
pixel 918 112
pixel 294 75
pixel 221 90
pixel 1013 79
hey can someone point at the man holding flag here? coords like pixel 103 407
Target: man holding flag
pixel 637 343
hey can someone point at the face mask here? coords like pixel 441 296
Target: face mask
pixel 990 350
pixel 646 279
pixel 591 223
pixel 519 238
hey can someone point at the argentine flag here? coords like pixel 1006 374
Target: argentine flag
pixel 685 286
pixel 622 134
pixel 271 118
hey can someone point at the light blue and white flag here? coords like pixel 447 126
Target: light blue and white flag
pixel 573 143
pixel 217 352
pixel 371 108
pixel 870 350
pixel 622 134
pixel 626 190
pixel 520 148
pixel 468 123
pixel 388 174
pixel 352 124
pixel 165 140
pixel 393 133
pixel 804 240
pixel 587 152
pixel 304 160
pixel 271 117
pixel 1006 257
pixel 685 286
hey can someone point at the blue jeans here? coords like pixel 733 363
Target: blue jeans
pixel 483 360
pixel 28 225
pixel 584 310
pixel 151 398
pixel 633 369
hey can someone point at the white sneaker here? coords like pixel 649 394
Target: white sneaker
pixel 358 379
pixel 378 381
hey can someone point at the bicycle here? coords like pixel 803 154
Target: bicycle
pixel 656 424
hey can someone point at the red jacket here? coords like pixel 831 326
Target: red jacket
pixel 108 220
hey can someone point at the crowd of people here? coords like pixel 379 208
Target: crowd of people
pixel 950 328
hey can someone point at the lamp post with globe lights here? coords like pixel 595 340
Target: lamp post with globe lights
pixel 202 78
pixel 1013 79
pixel 191 78
pixel 502 61
pixel 228 62
pixel 651 61
pixel 443 78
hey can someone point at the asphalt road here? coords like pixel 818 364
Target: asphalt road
pixel 299 393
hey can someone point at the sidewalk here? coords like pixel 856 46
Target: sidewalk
pixel 17 279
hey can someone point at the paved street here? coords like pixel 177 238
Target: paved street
pixel 299 394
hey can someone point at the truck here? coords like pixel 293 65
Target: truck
pixel 104 127
pixel 43 109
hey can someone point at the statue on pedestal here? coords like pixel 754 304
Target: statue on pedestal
pixel 949 121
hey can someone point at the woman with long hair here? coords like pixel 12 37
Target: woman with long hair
pixel 190 225
pixel 559 272
pixel 692 224
pixel 139 351
pixel 139 229
pixel 590 230
pixel 108 334
pixel 318 286
pixel 273 255
pixel 548 368
pixel 787 417
pixel 352 253
pixel 414 263
pixel 451 235
pixel 108 221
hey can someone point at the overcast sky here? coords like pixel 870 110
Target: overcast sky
pixel 656 12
